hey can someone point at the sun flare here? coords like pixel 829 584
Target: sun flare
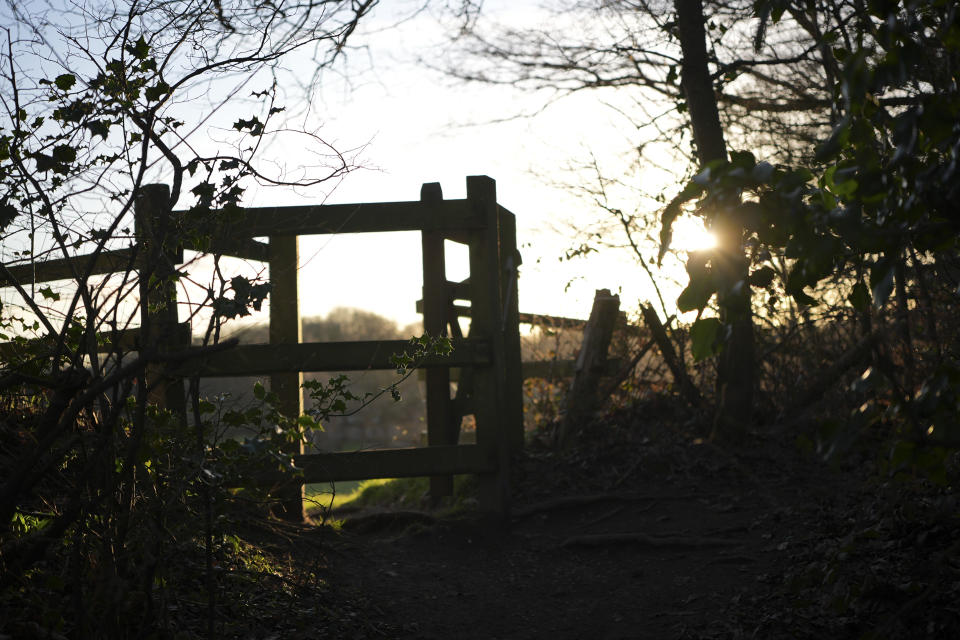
pixel 689 234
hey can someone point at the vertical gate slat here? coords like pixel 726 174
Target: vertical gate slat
pixel 510 281
pixel 285 327
pixel 158 315
pixel 435 301
pixel 486 318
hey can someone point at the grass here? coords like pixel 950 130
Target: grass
pixel 395 493
pixel 335 496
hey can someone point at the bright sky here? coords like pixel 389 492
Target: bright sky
pixel 413 125
pixel 419 126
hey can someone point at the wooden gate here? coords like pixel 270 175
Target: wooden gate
pixel 490 354
pixel 491 391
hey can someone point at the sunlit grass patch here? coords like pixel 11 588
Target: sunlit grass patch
pixel 397 493
pixel 327 496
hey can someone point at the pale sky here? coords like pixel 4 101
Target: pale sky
pixel 407 124
pixel 418 126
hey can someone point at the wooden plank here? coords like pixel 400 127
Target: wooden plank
pixel 447 215
pixel 583 398
pixel 551 322
pixel 687 388
pixel 286 330
pixel 485 284
pixel 107 341
pixel 535 319
pixel 263 359
pixel 510 261
pixel 435 301
pixel 243 248
pixel 115 261
pixel 396 463
pixel 159 321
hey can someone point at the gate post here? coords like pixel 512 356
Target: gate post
pixel 582 397
pixel 286 328
pixel 495 420
pixel 435 303
pixel 510 323
pixel 159 322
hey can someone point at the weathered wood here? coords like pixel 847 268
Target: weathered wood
pixel 535 319
pixel 510 261
pixel 262 359
pixel 157 262
pixel 107 341
pixel 687 389
pixel 582 398
pixel 447 215
pixel 243 248
pixel 116 261
pixel 286 331
pixel 486 318
pixel 396 463
pixel 435 303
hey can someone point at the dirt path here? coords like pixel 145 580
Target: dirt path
pixel 683 534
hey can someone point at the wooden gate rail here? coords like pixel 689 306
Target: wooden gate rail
pixel 262 359
pixel 442 460
pixel 449 216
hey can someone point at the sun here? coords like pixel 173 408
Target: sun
pixel 689 234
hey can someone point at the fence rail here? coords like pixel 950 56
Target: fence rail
pixel 415 215
pixel 264 359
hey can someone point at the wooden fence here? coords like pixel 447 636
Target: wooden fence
pixel 490 353
pixel 490 371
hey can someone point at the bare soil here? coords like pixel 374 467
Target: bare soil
pixel 646 530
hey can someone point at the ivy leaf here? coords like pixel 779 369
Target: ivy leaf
pixel 157 91
pixel 7 214
pixel 139 50
pixel 705 338
pixel 49 294
pixel 253 124
pixel 860 297
pixel 762 277
pixel 64 153
pixel 65 81
pixel 696 295
pixel 98 128
pixel 672 212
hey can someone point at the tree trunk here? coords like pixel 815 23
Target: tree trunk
pixel 736 367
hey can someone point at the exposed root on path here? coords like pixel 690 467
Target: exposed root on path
pixel 673 541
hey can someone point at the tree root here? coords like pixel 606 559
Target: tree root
pixel 669 541
pixel 569 502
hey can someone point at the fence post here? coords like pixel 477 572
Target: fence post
pixel 510 324
pixel 159 322
pixel 435 303
pixel 582 398
pixel 486 321
pixel 285 328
